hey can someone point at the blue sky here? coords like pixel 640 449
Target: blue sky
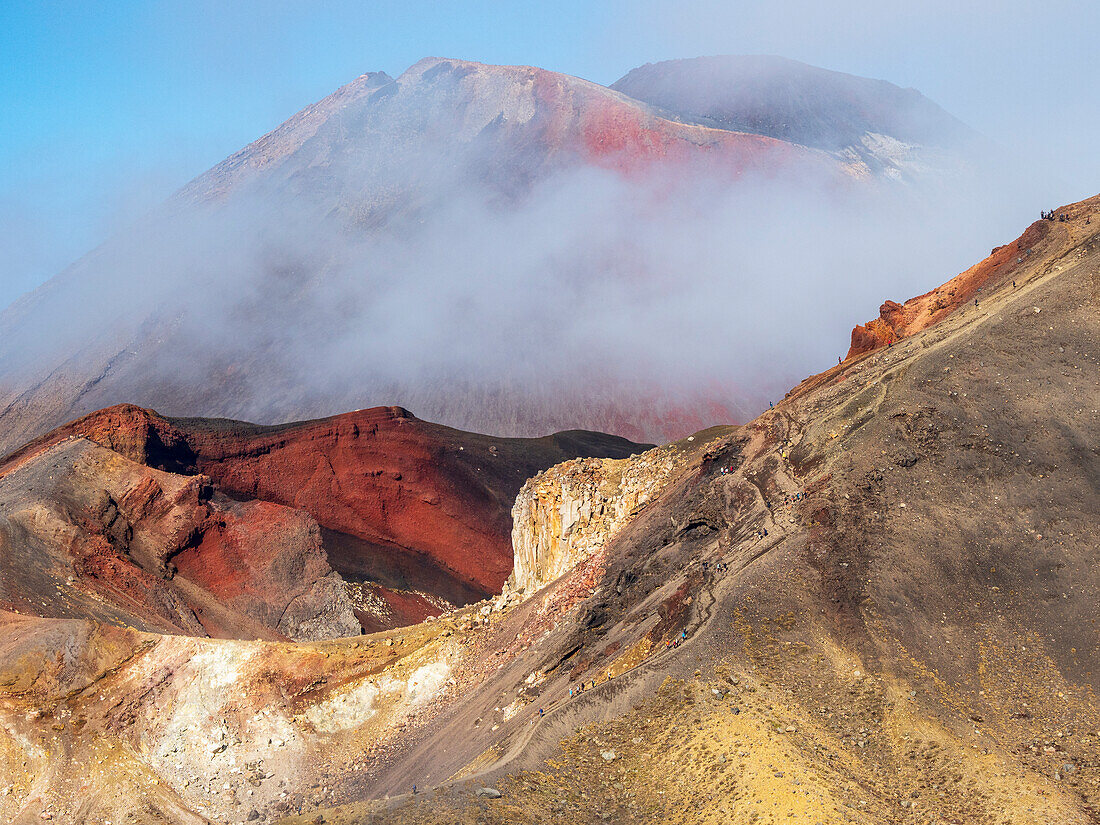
pixel 110 107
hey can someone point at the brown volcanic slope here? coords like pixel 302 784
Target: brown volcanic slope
pixel 379 161
pixel 401 503
pixel 913 641
pixel 885 589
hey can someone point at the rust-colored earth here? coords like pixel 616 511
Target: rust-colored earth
pixel 217 513
pixel 897 321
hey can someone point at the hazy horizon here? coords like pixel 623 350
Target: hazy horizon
pixel 113 109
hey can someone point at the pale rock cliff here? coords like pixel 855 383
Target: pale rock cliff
pixel 564 515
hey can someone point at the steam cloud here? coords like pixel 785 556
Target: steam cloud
pixel 418 282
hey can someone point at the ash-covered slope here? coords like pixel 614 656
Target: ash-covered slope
pixel 487 245
pixel 892 131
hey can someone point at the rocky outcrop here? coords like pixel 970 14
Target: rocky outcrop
pixel 563 516
pixel 897 321
pixel 86 532
pixel 267 562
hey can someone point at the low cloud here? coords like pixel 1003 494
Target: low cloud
pixel 402 274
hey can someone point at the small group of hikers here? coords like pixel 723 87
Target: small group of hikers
pixel 670 643
pixel 1061 218
pixel 577 691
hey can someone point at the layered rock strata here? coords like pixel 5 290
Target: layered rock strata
pixel 564 515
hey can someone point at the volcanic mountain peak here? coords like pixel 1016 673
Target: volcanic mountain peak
pixel 281 142
pixel 462 101
pixel 356 253
pixel 523 116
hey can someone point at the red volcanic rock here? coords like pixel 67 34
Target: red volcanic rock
pixel 378 476
pixel 86 532
pixel 897 321
pixel 613 131
pixel 385 478
pixel 266 561
pixel 126 429
pixel 401 502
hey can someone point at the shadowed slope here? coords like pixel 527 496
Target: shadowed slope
pixel 882 125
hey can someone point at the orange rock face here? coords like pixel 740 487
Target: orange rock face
pixel 897 321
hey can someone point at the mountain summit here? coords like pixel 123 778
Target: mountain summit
pixel 506 126
pixel 502 248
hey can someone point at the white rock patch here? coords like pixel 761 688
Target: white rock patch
pixel 345 710
pixel 426 681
